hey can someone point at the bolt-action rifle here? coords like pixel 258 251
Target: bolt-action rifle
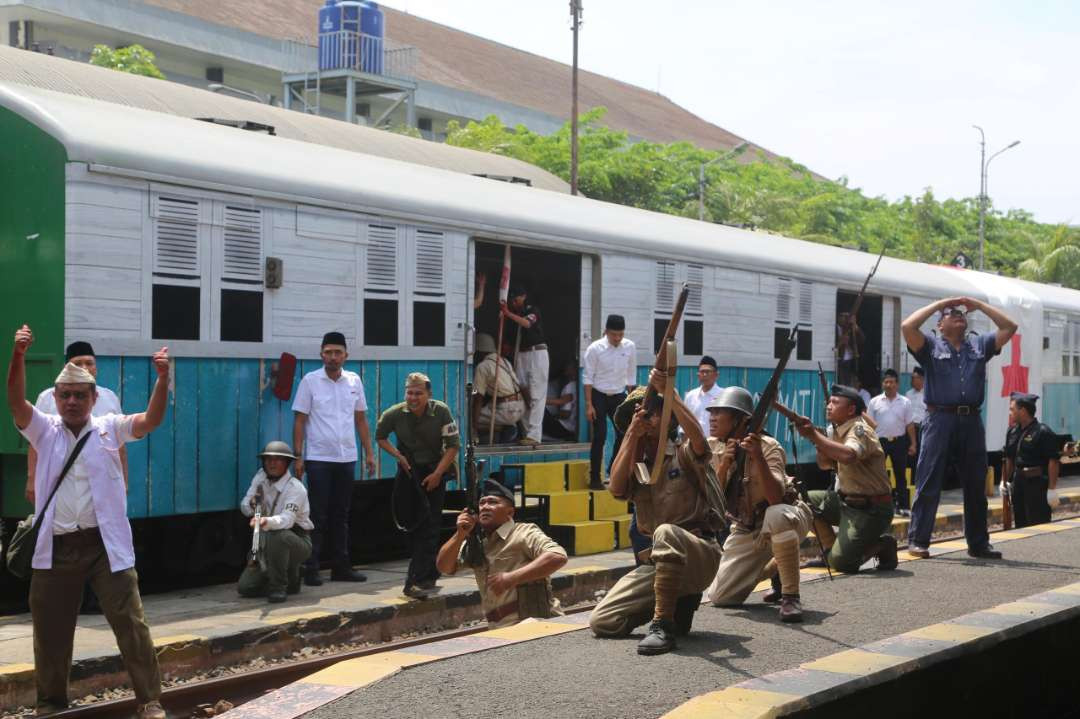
pixel 474 546
pixel 667 363
pixel 821 527
pixel 256 557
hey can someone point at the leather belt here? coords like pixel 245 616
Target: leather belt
pixel 499 613
pixel 891 439
pixel 80 536
pixel 510 397
pixel 960 409
pixel 540 346
pixel 867 498
pixel 1030 472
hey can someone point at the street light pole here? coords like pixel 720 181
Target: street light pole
pixel 984 181
pixel 701 176
pixel 575 14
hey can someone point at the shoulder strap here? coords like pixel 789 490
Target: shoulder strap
pixel 63 473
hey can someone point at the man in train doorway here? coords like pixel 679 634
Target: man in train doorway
pixel 329 404
pixel 955 367
pixel 609 373
pixel 531 360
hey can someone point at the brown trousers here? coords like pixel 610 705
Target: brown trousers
pixel 55 598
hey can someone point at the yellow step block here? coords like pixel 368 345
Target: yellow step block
pixel 579 538
pixel 622 530
pixel 605 506
pixel 577 475
pixel 544 477
pixel 567 507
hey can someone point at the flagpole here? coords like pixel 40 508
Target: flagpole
pixel 504 290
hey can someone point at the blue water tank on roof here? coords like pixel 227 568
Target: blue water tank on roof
pixel 371 50
pixel 339 35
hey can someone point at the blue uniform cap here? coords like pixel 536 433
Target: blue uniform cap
pixel 840 390
pixel 495 489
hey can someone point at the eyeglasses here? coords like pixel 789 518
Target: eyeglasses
pixel 954 313
pixel 67 394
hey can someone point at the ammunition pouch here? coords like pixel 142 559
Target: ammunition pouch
pixel 534 600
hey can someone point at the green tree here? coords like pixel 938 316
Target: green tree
pixel 781 196
pixel 135 59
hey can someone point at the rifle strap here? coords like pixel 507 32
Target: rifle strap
pixel 670 367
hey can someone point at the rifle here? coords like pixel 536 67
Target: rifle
pixel 756 423
pixel 256 557
pixel 666 362
pixel 824 389
pixel 474 546
pixel 793 418
pixel 855 310
pixel 1006 504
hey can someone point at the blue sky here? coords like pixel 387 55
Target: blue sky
pixel 882 92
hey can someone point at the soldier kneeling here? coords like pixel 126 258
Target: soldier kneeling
pixel 513 574
pixel 281 502
pixel 768 519
pixel 675 512
pixel 862 506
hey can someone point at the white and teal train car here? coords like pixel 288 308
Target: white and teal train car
pixel 134 229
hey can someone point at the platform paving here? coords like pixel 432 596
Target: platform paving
pixel 198 629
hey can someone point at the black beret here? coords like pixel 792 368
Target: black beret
pixel 333 338
pixel 616 323
pixel 890 373
pixel 492 488
pixel 78 349
pixel 707 360
pixel 840 390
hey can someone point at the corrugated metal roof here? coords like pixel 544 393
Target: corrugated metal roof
pixel 76 78
pixel 152 144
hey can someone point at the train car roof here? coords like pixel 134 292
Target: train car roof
pixel 168 148
pixel 42 71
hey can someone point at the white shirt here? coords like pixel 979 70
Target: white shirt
pixel 284 502
pixel 918 405
pixel 697 400
pixel 102 495
pixel 330 433
pixel 610 369
pixel 107 402
pixel 892 415
pixel 570 421
pixel 865 397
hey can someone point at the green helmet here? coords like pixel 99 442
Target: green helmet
pixel 735 398
pixel 624 413
pixel 277 448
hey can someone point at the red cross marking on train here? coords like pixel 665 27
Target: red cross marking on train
pixel 1015 375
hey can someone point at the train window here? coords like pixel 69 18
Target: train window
pixel 804 348
pixel 175 313
pixel 380 322
pixel 659 328
pixel 241 316
pixel 1064 365
pixel 429 324
pixel 693 337
pixel 780 335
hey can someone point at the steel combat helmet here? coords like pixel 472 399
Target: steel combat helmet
pixel 735 398
pixel 277 448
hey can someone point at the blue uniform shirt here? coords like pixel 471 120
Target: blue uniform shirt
pixel 956 376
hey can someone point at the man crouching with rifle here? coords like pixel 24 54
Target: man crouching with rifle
pixel 674 510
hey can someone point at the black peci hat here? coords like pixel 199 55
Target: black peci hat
pixel 615 323
pixel 333 338
pixel 78 349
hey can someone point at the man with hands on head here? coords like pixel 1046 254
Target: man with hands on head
pixel 85 533
pixel 519 560
pixel 427 443
pixel 329 409
pixel 675 512
pixel 955 367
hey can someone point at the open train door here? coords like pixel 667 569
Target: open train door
pixel 861 358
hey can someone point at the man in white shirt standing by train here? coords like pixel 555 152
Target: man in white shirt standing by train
pixel 698 398
pixel 610 372
pixel 892 413
pixel 918 411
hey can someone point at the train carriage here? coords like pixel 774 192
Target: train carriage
pixel 134 229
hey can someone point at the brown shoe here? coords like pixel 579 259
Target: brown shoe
pixel 790 608
pixel 151 710
pixel 774 595
pixel 918 552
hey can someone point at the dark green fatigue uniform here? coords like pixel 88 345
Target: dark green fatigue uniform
pixel 1031 448
pixel 862 507
pixel 422 440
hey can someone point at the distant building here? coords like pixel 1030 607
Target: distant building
pixel 432 74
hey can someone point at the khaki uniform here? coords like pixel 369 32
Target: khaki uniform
pixel 862 507
pixel 749 546
pixel 511 547
pixel 673 512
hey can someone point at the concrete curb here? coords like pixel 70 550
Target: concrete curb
pixel 186 656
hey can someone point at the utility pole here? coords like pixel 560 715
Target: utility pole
pixel 575 15
pixel 984 176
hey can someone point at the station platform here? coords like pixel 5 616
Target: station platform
pixel 198 630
